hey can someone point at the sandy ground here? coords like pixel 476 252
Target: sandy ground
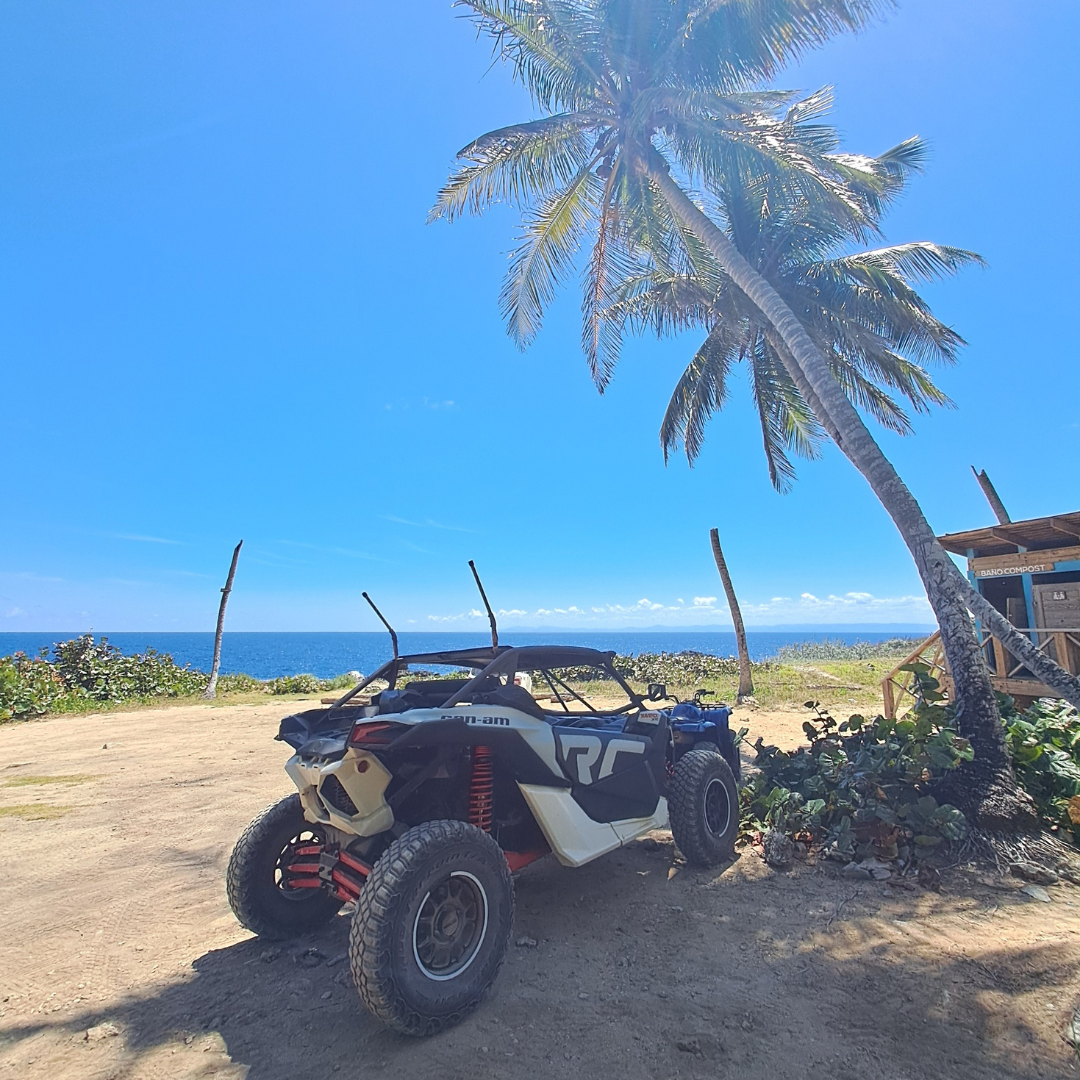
pixel 115 921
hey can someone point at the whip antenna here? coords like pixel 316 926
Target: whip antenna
pixel 382 619
pixel 491 614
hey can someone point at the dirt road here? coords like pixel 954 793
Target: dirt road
pixel 115 923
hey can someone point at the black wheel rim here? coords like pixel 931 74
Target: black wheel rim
pixel 717 807
pixel 450 926
pixel 285 880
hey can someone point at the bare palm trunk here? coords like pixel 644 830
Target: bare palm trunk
pixel 211 686
pixel 746 679
pixel 989 786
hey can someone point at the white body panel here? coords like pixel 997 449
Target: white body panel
pixel 572 835
pixel 366 791
pixel 537 733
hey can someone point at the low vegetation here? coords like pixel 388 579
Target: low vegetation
pixel 847 677
pixel 862 787
pixel 85 675
pixel 1044 742
pixel 866 787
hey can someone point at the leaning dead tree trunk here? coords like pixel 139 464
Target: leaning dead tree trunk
pixel 992 497
pixel 211 687
pixel 746 679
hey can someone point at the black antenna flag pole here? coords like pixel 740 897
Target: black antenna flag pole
pixel 491 614
pixel 382 619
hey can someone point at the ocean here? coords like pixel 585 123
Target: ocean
pixel 268 655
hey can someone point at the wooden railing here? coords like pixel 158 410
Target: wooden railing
pixel 1008 674
pixel 897 688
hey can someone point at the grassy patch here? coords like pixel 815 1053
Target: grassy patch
pixel 33 781
pixel 853 685
pixel 35 811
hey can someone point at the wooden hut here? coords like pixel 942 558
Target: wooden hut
pixel 1030 571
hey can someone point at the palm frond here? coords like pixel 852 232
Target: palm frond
pixel 543 57
pixel 552 237
pixel 768 399
pixel 729 46
pixel 516 164
pixel 701 391
pixel 611 263
pixel 918 261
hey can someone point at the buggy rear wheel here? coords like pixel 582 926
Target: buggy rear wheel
pixel 431 927
pixel 703 807
pixel 258 883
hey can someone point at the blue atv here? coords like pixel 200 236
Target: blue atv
pixel 700 735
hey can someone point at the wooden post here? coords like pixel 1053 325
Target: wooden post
pixel 1001 659
pixel 1061 646
pixel 746 680
pixel 211 687
pixel 889 697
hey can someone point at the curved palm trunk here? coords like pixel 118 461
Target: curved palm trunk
pixel 990 788
pixel 746 678
pixel 1020 645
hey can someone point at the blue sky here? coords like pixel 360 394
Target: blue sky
pixel 222 315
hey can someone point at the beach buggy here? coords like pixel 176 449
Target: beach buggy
pixel 417 803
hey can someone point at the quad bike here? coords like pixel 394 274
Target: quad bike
pixel 418 803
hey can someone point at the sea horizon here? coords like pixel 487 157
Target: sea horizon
pixel 268 654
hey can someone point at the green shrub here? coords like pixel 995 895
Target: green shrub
pixel 28 687
pixel 341 682
pixel 294 684
pixel 1044 742
pixel 862 787
pixel 240 684
pixel 677 669
pixel 834 649
pixel 100 671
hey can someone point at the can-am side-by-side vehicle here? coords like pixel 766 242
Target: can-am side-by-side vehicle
pixel 418 803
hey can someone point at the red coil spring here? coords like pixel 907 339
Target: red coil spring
pixel 481 788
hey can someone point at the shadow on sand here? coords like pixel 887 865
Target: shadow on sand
pixel 639 974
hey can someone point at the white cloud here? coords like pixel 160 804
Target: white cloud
pixel 853 608
pixel 142 539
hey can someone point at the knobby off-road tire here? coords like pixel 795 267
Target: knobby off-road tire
pixel 703 807
pixel 254 884
pixel 432 926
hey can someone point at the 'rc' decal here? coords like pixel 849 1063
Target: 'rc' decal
pixel 582 752
pixel 586 748
pixel 618 746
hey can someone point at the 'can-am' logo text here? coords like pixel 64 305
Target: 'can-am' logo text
pixel 497 721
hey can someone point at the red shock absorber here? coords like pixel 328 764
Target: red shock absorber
pixel 481 788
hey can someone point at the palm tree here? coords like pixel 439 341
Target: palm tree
pixel 633 89
pixel 860 308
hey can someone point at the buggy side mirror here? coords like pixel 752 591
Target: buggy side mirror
pixel 657 691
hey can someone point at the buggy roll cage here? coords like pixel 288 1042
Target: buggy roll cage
pixel 503 660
